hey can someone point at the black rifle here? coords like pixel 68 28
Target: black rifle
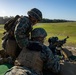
pixel 61 42
pixel 55 45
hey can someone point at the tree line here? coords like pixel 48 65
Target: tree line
pixel 3 20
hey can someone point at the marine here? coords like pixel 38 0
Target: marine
pixel 16 38
pixel 35 57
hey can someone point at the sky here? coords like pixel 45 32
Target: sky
pixel 51 9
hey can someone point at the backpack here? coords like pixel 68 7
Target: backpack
pixel 9 42
pixel 9 26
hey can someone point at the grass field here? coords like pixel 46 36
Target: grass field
pixel 1 34
pixel 61 30
pixel 55 29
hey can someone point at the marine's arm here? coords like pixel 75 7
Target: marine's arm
pixel 52 63
pixel 21 31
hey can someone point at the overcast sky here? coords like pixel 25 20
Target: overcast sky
pixel 52 9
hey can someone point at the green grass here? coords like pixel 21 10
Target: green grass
pixel 1 34
pixel 55 29
pixel 61 30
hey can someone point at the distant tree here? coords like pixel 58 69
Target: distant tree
pixel 1 20
pixel 44 20
pixel 4 19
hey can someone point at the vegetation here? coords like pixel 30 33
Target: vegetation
pixel 4 19
pixel 1 34
pixel 55 29
pixel 61 30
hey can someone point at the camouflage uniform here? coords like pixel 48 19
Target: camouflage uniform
pixel 20 32
pixel 18 70
pixel 36 64
pixel 36 57
pixel 24 26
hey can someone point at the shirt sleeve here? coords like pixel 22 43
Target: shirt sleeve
pixel 52 63
pixel 20 32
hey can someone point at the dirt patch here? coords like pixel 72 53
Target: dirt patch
pixel 72 49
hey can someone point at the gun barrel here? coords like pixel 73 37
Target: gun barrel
pixel 61 42
pixel 67 37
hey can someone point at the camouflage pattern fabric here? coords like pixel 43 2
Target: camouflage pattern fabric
pixel 31 59
pixel 38 32
pixel 50 61
pixel 17 70
pixel 36 13
pixel 22 29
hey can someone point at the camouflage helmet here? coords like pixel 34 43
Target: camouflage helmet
pixel 38 32
pixel 37 14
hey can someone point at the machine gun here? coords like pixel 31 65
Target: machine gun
pixel 61 42
pixel 60 50
pixel 55 46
